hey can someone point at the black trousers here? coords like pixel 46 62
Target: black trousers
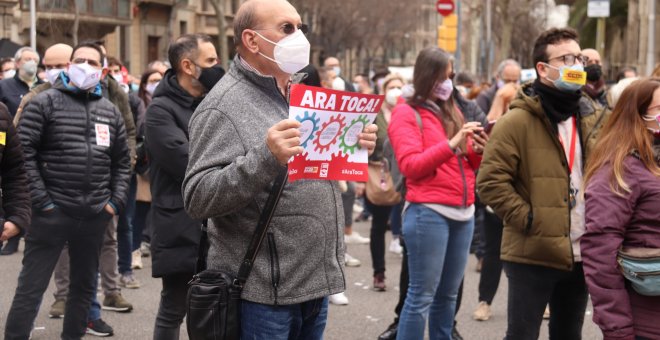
pixel 172 308
pixel 379 217
pixel 531 288
pixel 44 241
pixel 491 269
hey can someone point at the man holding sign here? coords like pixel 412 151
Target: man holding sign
pixel 531 175
pixel 240 140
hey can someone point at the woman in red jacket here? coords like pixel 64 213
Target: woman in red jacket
pixel 438 160
pixel 622 210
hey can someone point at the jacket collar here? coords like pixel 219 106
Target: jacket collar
pixel 62 84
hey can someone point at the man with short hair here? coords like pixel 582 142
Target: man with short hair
pixel 7 68
pixel 240 141
pixel 508 75
pixel 595 87
pixel 13 89
pixel 362 85
pixel 531 176
pixel 78 164
pixel 339 83
pixel 176 236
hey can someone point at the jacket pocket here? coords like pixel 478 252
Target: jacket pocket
pixel 530 220
pixel 274 264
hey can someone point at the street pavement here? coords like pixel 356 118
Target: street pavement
pixel 367 315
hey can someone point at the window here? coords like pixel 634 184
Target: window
pixel 103 7
pixel 152 48
pixel 183 27
pixel 124 8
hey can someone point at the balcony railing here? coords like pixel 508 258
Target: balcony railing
pixel 100 8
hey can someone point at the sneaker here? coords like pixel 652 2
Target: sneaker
pixel 455 335
pixel 350 261
pixel 355 238
pixel 395 246
pixel 136 259
pixel 145 249
pixel 116 303
pixel 482 313
pixel 57 309
pixel 11 246
pixel 99 328
pixel 390 332
pixel 129 281
pixel 339 299
pixel 379 282
pixel 546 313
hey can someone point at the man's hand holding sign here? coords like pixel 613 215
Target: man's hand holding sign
pixel 329 134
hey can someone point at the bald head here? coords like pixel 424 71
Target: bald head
pixel 57 56
pixel 593 55
pixel 331 62
pixel 259 14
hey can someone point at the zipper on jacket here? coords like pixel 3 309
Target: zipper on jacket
pixel 274 264
pixel 86 186
pixel 465 186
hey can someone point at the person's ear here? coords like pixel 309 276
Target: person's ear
pixel 249 41
pixel 541 69
pixel 188 67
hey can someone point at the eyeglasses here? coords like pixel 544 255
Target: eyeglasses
pixel 52 67
pixel 569 59
pixel 91 62
pixel 288 28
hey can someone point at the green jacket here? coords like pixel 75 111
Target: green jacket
pixel 525 178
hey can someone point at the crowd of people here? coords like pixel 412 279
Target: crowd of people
pixel 555 180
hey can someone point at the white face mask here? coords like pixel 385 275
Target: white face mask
pixel 52 74
pixel 392 96
pixel 150 88
pixel 291 53
pixel 9 74
pixel 338 84
pixel 119 77
pixel 84 76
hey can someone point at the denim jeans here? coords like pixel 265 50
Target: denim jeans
pixel 95 308
pixel 125 231
pixel 43 244
pixel 437 255
pixel 303 321
pixel 531 288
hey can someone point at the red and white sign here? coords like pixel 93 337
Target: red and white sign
pixel 102 134
pixel 445 7
pixel 330 124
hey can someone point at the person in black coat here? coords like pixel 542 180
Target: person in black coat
pixel 176 236
pixel 15 198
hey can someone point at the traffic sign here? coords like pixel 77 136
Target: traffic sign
pixel 598 9
pixel 445 7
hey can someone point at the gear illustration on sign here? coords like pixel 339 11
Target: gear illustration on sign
pixel 304 121
pixel 350 142
pixel 328 136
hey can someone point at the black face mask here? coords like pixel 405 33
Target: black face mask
pixel 594 72
pixel 210 76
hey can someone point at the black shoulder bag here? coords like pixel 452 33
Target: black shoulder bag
pixel 214 297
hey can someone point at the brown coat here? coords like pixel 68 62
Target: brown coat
pixel 525 178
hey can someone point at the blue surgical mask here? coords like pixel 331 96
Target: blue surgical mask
pixel 337 70
pixel 563 85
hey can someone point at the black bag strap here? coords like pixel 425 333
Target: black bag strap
pixel 257 237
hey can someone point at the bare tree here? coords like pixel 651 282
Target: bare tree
pixel 219 7
pixel 76 21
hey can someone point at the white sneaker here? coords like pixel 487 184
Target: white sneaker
pixel 338 299
pixel 350 261
pixel 355 238
pixel 395 246
pixel 136 259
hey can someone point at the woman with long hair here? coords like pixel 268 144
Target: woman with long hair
pixel 148 84
pixel 622 199
pixel 438 158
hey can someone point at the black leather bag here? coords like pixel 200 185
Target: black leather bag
pixel 214 297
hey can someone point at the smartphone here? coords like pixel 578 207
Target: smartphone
pixel 489 127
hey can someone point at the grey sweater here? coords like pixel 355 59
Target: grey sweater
pixel 229 177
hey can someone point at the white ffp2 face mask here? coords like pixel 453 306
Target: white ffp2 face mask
pixel 291 53
pixel 52 74
pixel 84 76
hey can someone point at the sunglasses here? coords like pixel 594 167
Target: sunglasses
pixel 91 62
pixel 288 28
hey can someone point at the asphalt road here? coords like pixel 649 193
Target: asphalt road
pixel 367 315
